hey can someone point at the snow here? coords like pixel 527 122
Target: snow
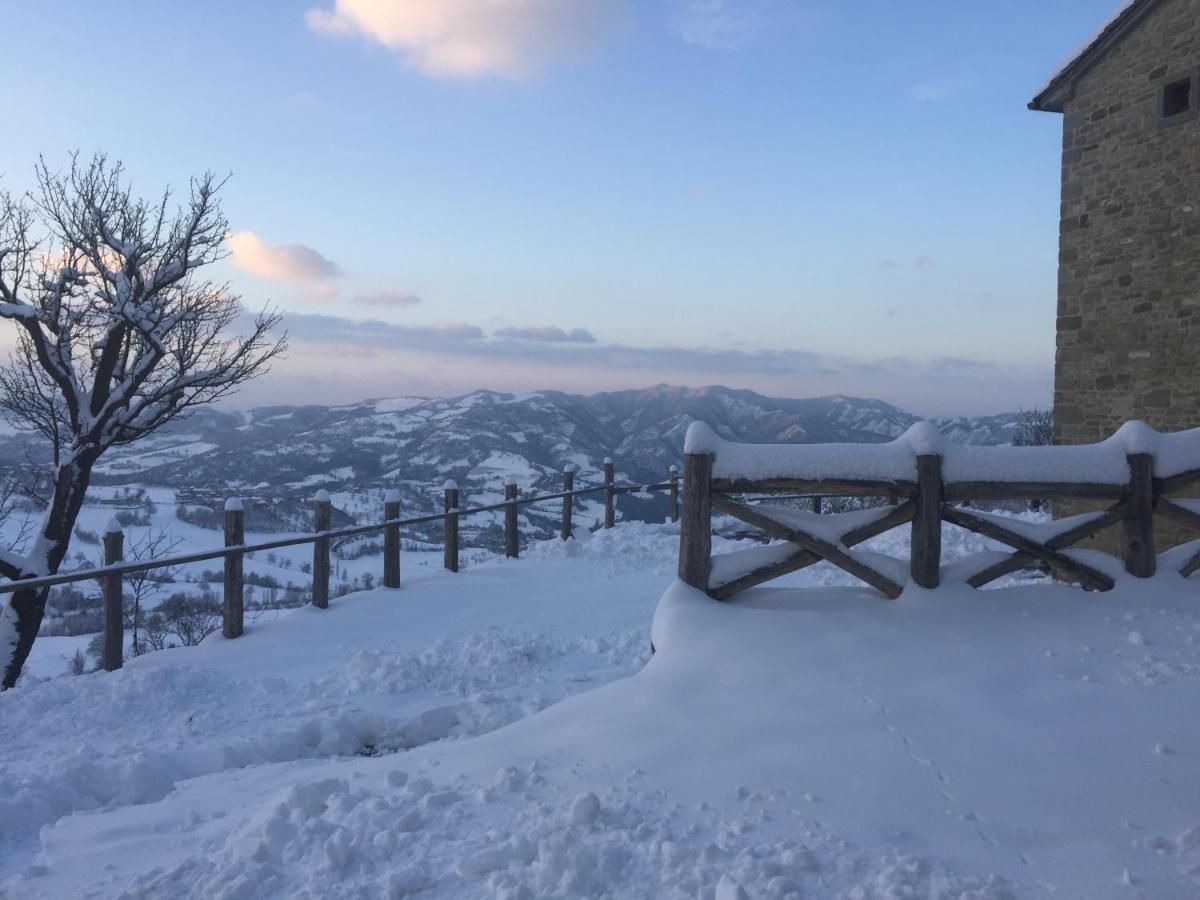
pixel 1102 463
pixel 234 504
pixel 1086 45
pixel 504 733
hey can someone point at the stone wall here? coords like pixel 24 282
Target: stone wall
pixel 1129 250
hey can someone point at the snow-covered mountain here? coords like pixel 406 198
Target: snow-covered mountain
pixel 478 439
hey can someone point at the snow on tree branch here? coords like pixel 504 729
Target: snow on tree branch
pixel 118 332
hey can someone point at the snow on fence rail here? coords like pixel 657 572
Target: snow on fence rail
pixel 111 574
pixel 924 474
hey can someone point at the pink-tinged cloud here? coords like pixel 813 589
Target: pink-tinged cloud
pixel 279 262
pixel 473 38
pixel 387 299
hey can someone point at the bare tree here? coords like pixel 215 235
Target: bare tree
pixel 117 335
pixel 1035 428
pixel 140 587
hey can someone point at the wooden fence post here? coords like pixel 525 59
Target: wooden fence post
pixel 391 540
pixel 512 539
pixel 695 530
pixel 233 609
pixel 322 520
pixel 610 513
pixel 673 495
pixel 114 614
pixel 926 553
pixel 450 504
pixel 816 504
pixel 568 506
pixel 1137 528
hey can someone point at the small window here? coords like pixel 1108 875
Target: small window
pixel 1179 100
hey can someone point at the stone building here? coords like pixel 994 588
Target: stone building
pixel 1129 246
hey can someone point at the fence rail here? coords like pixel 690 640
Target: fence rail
pixel 924 503
pixel 233 553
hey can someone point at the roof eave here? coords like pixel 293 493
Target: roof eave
pixel 1054 95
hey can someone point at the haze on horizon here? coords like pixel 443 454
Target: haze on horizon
pixel 799 198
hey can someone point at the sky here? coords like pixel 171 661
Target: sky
pixel 800 197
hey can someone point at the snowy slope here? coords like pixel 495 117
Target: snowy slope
pixel 283 455
pixel 1026 741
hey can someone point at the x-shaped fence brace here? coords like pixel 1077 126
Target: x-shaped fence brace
pixel 811 548
pixel 928 502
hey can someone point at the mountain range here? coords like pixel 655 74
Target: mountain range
pixel 414 444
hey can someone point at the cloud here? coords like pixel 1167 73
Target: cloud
pixel 548 333
pixel 720 24
pixel 939 90
pixel 369 333
pixel 279 262
pixel 387 298
pixel 464 358
pixel 473 38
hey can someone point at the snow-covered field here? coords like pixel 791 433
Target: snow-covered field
pixel 505 733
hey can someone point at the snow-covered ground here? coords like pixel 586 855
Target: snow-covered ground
pixel 504 733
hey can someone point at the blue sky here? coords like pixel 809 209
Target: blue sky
pixel 795 196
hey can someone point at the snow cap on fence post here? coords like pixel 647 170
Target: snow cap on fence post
pixel 700 438
pixel 511 479
pixel 392 496
pixel 1137 437
pixel 114 526
pixel 569 469
pixel 322 496
pixel 234 504
pixel 450 485
pixel 925 439
pixel 673 469
pixel 608 460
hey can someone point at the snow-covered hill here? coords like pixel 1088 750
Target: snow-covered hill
pixel 282 455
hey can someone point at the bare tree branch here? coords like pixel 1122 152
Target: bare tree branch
pixel 119 333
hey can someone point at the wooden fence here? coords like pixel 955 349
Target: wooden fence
pixel 111 574
pixel 924 502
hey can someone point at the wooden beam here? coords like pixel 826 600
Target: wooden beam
pixel 813 544
pixel 1177 514
pixel 113 653
pixel 233 604
pixel 1090 577
pixel 695 527
pixel 1137 528
pixel 829 487
pixel 897 515
pixel 512 537
pixel 391 540
pixel 925 553
pixel 957 491
pixel 1176 482
pixel 322 521
pixel 801 559
pixel 1192 565
pixel 1018 560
